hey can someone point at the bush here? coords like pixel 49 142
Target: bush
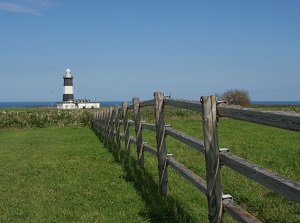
pixel 236 97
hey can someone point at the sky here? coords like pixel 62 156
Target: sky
pixel 120 49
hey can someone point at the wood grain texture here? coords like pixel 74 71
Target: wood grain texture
pixel 238 213
pixel 126 128
pixel 106 122
pixel 138 131
pixel 184 104
pixel 213 179
pixel 285 120
pixel 117 125
pixel 161 143
pixel 149 126
pixel 111 124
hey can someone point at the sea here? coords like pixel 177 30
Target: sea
pixel 112 103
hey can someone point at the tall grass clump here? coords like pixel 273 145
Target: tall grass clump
pixel 45 118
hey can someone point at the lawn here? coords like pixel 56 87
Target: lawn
pixel 63 175
pixel 68 174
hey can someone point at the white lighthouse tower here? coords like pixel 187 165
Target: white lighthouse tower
pixel 68 86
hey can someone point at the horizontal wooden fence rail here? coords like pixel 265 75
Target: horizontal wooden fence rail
pixel 184 104
pixel 274 181
pixel 108 124
pixel 285 120
pixel 186 139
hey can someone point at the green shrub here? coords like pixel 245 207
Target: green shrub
pixel 236 97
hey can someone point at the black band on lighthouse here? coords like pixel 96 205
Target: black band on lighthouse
pixel 68 97
pixel 68 81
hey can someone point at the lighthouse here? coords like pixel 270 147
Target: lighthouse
pixel 68 94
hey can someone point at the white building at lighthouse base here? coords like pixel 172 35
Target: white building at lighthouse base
pixel 77 104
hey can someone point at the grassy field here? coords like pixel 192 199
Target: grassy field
pixel 63 175
pixel 57 174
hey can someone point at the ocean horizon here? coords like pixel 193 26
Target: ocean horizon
pixel 112 103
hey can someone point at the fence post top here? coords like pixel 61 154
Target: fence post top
pixel 135 99
pixel 158 92
pixel 208 96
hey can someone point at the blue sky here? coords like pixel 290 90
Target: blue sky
pixel 119 49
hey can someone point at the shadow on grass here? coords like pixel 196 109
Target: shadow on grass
pixel 159 208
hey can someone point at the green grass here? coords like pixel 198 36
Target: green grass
pixel 63 175
pixel 67 175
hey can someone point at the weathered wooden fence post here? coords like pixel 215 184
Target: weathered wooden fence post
pixel 94 120
pixel 138 131
pixel 102 125
pixel 126 127
pixel 117 124
pixel 111 124
pixel 161 143
pixel 106 117
pixel 214 196
pixel 99 122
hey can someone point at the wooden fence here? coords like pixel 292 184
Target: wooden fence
pixel 108 124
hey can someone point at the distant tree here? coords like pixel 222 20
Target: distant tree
pixel 236 97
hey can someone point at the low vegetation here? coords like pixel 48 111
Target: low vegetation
pixel 41 118
pixel 57 174
pixel 274 107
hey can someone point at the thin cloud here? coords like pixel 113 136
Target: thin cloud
pixel 32 7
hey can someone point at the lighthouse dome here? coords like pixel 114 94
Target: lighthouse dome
pixel 68 73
